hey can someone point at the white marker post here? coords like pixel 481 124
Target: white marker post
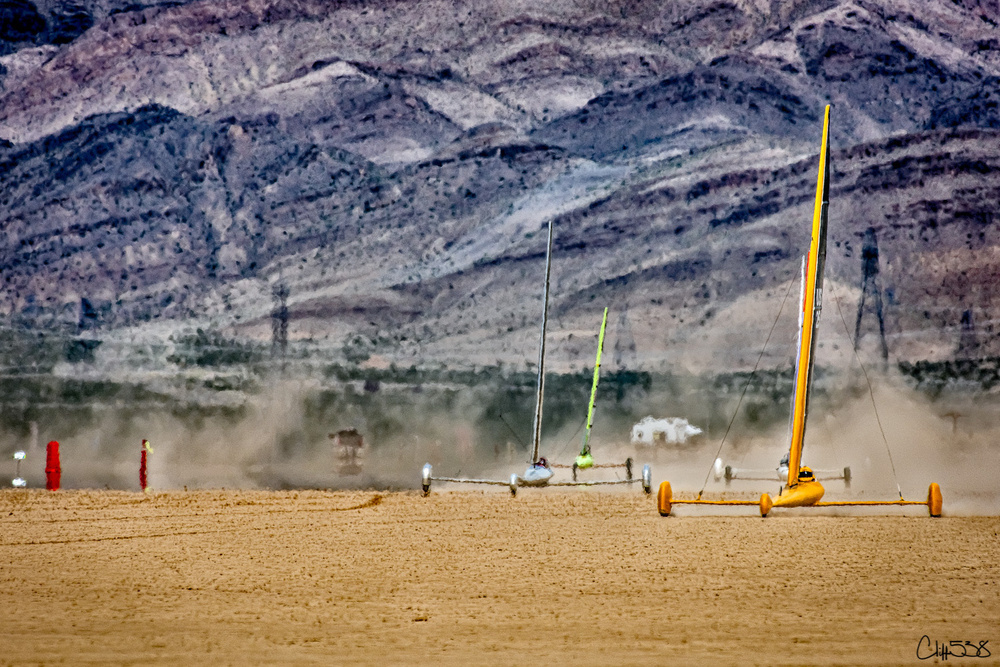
pixel 18 481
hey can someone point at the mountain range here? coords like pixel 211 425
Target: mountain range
pixel 372 181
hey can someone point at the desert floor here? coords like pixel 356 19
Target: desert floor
pixel 567 576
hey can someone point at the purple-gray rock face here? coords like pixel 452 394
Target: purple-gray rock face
pixel 388 167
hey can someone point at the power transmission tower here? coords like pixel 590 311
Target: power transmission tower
pixel 871 285
pixel 279 322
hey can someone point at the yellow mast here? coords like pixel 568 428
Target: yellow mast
pixel 812 303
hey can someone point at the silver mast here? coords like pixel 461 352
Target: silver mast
pixel 537 428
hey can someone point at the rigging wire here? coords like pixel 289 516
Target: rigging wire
pixel 746 386
pixel 562 450
pixel 572 438
pixel 512 432
pixel 871 394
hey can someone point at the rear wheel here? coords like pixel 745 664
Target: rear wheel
pixel 647 479
pixel 513 484
pixel 663 498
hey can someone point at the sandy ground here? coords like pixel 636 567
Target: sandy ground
pixel 569 576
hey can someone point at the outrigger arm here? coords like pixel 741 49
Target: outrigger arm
pixel 665 501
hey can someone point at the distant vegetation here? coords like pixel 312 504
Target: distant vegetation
pixel 209 349
pixel 30 351
pixel 933 377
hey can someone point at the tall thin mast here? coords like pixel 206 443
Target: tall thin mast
pixel 593 388
pixel 812 303
pixel 536 430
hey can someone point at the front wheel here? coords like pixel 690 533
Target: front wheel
pixel 647 479
pixel 765 504
pixel 663 499
pixel 513 484
pixel 425 482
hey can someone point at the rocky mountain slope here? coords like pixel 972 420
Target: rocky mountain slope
pixel 388 168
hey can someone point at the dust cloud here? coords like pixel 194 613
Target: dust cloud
pixel 279 439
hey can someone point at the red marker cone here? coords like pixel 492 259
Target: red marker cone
pixel 53 473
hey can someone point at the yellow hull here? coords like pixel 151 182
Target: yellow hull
pixel 802 494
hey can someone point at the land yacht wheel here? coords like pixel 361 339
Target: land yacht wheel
pixel 934 501
pixel 425 482
pixel 765 504
pixel 663 498
pixel 647 479
pixel 513 484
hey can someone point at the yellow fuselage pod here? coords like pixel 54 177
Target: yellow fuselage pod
pixel 802 494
